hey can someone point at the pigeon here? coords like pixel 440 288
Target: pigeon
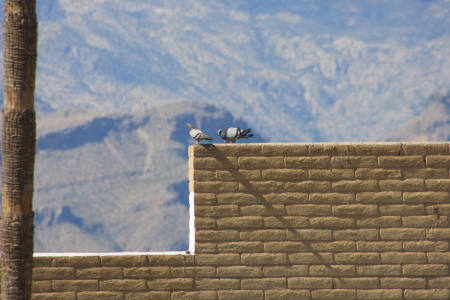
pixel 233 134
pixel 197 134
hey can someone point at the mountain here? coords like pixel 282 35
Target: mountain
pixel 112 182
pixel 431 125
pixel 329 70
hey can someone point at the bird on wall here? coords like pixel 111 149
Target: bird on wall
pixel 233 134
pixel 197 134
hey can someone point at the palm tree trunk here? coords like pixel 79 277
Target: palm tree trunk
pixel 19 145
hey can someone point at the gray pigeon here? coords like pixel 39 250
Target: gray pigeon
pixel 197 134
pixel 233 134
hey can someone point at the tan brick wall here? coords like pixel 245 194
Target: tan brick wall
pixel 290 221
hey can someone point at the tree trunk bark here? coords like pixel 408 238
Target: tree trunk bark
pixel 19 146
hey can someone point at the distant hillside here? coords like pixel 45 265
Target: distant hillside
pixel 118 182
pixel 433 124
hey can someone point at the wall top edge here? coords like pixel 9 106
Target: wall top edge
pixel 83 254
pixel 322 143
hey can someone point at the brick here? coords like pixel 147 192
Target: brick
pixel 205 248
pixel 202 175
pixel 240 222
pixel 355 210
pixel 379 149
pixel 238 198
pixel 425 270
pixel 426 197
pixel 264 258
pixel 217 259
pixel 205 223
pixel 284 174
pixel 99 273
pixel 261 186
pixel 76 261
pixel 438 233
pixel 379 197
pixel 439 161
pixel 284 150
pixel 102 296
pixel 216 235
pixel 124 260
pixel 239 247
pixel 308 210
pixel 443 209
pixel 342 246
pixel 356 283
pixel 402 234
pixel 193 272
pixel 439 283
pixel 332 174
pixel 44 286
pixel 333 294
pixel 370 173
pixel 217 211
pixel 263 210
pixel 343 162
pixel 403 283
pixel 286 198
pixel 238 150
pixel 75 285
pixel 356 234
pixel 424 221
pixel 147 272
pixel 286 222
pixel 379 246
pixel 427 294
pixel 170 260
pixel 286 271
pixel 330 222
pixel 437 184
pixel 122 285
pixel 357 258
pixel 331 149
pixel 170 284
pixel 308 186
pixel 310 283
pixel 380 294
pixel 154 295
pixel 332 198
pixel 236 175
pixel 213 186
pixel 284 246
pixel 402 185
pixel 217 284
pixel 355 186
pixel 310 258
pixel 389 162
pixel 213 163
pixel 425 246
pixel 332 270
pixel 42 261
pixel 261 162
pixel 197 295
pixel 239 271
pixel 309 234
pixel 320 162
pixel 242 294
pixel 54 296
pixel 427 173
pixel 425 148
pixel 205 199
pixel 379 222
pixel 438 257
pixel 379 270
pixel 286 295
pixel 48 273
pixel 403 257
pixel 263 283
pixel 401 209
pixel 263 235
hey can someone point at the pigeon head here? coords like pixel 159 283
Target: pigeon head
pixel 189 126
pixel 222 133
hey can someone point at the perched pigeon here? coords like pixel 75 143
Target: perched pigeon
pixel 197 134
pixel 233 134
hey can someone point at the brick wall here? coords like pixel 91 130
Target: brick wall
pixel 290 221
